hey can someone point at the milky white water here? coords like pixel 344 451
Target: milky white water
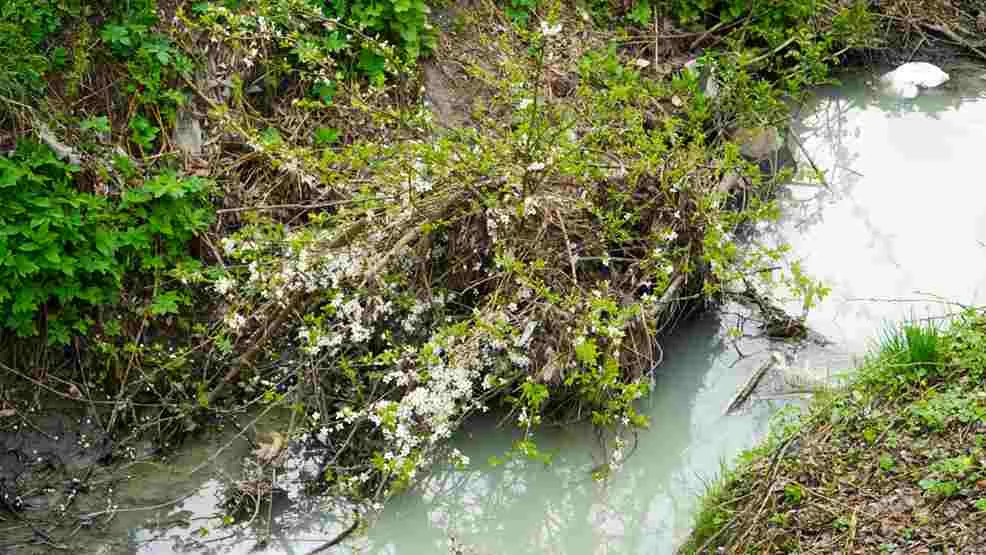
pixel 903 226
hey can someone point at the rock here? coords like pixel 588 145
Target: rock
pixel 767 147
pixel 730 182
pixel 907 80
pixel 188 133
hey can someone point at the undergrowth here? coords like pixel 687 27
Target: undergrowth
pixel 326 241
pixel 894 444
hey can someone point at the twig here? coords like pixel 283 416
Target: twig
pixel 811 161
pixel 568 247
pixel 338 539
pixel 257 342
pixel 751 383
pixel 766 55
pixel 287 206
pixel 952 35
pixel 774 466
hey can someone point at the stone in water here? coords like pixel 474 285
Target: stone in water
pixel 907 80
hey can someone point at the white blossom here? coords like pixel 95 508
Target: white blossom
pixel 550 30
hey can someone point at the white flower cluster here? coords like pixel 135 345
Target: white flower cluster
pixel 304 269
pixel 428 412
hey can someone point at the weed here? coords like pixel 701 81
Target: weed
pixel 793 494
pixel 938 410
pixel 942 488
pixel 64 250
pixel 887 463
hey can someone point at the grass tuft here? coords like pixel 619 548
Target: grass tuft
pixel 911 350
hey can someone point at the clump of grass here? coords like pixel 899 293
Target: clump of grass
pixel 916 344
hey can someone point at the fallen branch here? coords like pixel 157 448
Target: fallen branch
pixel 751 383
pixel 945 30
pixel 338 539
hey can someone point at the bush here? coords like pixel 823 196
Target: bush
pixel 63 251
pixel 321 40
pixel 24 27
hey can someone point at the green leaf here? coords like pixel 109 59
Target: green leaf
pixel 371 63
pixel 325 136
pixel 99 124
pixel 586 352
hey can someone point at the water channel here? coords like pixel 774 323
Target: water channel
pixel 898 225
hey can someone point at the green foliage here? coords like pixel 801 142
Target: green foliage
pixel 520 10
pixel 965 345
pixel 939 410
pixel 320 41
pixel 405 22
pixel 887 462
pixel 36 19
pixel 63 251
pixel 99 124
pixel 941 488
pixel 326 136
pixel 793 494
pixel 154 64
pixel 25 27
pixel 142 132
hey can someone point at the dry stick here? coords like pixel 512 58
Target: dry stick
pixel 945 30
pixel 568 247
pixel 918 47
pixel 215 251
pixel 657 38
pixel 751 383
pixel 67 396
pixel 336 540
pixel 775 466
pixel 766 55
pixel 257 341
pixel 853 522
pixel 286 207
pixel 811 161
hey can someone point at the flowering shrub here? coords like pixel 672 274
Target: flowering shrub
pixel 381 268
pixel 529 265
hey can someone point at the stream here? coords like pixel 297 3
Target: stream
pixel 898 226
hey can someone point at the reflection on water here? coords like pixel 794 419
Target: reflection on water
pixel 645 508
pixel 899 226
